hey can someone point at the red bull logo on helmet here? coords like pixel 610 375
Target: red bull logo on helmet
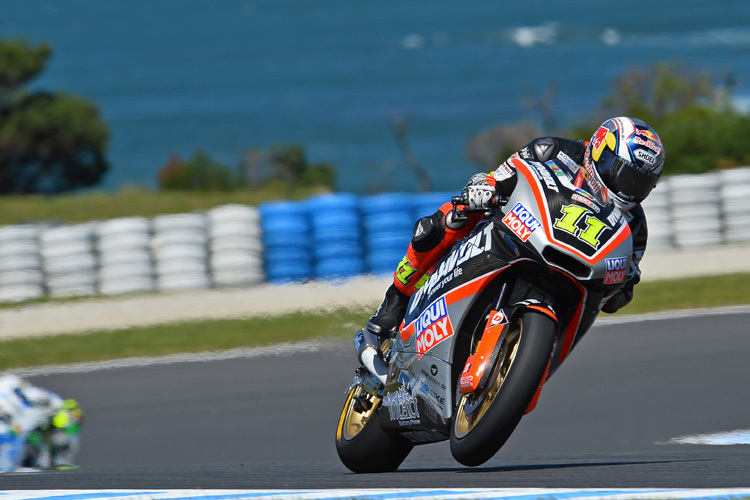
pixel 603 138
pixel 648 139
pixel 432 327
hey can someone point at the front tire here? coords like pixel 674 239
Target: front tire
pixel 362 445
pixel 485 420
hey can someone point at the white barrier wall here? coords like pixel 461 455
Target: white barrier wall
pixel 241 246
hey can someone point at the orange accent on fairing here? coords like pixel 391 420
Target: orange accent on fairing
pixel 570 332
pixel 472 287
pixel 535 399
pixel 466 290
pixel 622 233
pixel 407 332
pixel 543 310
pixel 477 362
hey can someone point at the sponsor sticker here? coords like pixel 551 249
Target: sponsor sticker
pixel 586 201
pixel 645 156
pixel 498 319
pixel 647 143
pixel 432 327
pixel 545 175
pixel 503 172
pixel 402 407
pixel 617 268
pixel 521 222
pixel 573 166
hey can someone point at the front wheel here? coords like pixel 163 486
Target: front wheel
pixel 362 445
pixel 485 419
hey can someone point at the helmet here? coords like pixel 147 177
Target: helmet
pixel 624 161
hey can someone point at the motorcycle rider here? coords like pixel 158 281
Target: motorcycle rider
pixel 37 427
pixel 621 164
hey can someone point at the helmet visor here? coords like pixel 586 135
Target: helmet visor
pixel 625 178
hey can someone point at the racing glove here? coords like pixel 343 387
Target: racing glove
pixel 480 192
pixel 621 298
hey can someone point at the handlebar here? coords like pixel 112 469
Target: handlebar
pixel 460 200
pixel 459 214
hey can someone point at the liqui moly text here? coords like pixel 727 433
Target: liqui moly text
pixel 432 327
pixel 616 270
pixel 521 222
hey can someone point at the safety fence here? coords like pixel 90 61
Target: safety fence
pixel 325 237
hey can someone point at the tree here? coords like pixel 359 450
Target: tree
pixel 49 142
pixel 289 164
pixel 655 92
pixel 692 114
pixel 285 165
pixel 492 147
pixel 201 173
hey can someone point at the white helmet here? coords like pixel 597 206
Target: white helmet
pixel 624 161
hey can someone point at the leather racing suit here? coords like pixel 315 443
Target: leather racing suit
pixel 435 234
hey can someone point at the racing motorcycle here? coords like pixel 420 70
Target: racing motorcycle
pixel 503 308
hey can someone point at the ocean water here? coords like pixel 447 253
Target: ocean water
pixel 227 76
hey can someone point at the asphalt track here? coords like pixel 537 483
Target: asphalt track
pixel 268 421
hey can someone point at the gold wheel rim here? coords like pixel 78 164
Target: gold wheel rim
pixel 465 423
pixel 352 422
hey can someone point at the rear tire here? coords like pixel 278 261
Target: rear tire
pixel 362 445
pixel 477 435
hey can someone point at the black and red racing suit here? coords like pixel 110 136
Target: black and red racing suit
pixel 435 234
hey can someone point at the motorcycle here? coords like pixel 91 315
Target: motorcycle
pixel 502 310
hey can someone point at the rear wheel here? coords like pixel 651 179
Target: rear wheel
pixel 485 419
pixel 362 445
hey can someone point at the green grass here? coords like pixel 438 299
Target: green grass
pixel 195 336
pixel 339 323
pixel 690 293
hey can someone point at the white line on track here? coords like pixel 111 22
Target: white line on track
pixel 740 436
pixel 383 494
pixel 675 314
pixel 284 349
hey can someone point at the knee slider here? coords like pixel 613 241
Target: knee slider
pixel 428 233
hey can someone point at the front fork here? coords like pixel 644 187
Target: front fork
pixel 479 364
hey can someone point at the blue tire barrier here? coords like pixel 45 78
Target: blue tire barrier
pixel 325 220
pixel 389 222
pixel 384 262
pixel 286 240
pixel 282 209
pixel 287 272
pixel 338 202
pixel 294 227
pixel 428 203
pixel 387 203
pixel 338 250
pixel 339 268
pixel 287 254
pixel 338 234
pixel 388 240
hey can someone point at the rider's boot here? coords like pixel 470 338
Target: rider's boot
pixel 383 324
pixel 386 320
